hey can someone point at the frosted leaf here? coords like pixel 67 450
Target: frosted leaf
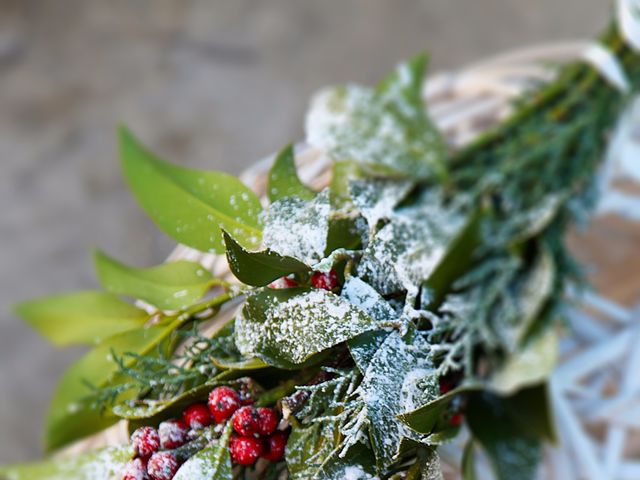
pixel 298 228
pixel 390 384
pixel 211 463
pixel 366 298
pixel 387 128
pixel 376 199
pixel 291 325
pixel 406 251
pixel 308 447
pixel 100 464
pixel 356 464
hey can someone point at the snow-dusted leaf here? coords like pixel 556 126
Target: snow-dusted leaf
pixel 387 128
pixel 358 463
pixel 259 268
pixel 169 286
pixel 408 249
pixel 211 463
pixel 364 347
pixel 308 447
pixel 286 327
pixel 398 379
pixel 99 464
pixel 298 228
pixel 514 452
pixel 283 178
pixel 376 199
pixel 366 298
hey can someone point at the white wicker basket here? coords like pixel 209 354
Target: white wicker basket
pixel 596 387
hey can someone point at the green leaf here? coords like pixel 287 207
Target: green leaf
pixel 399 378
pixel 286 327
pixel 357 464
pixel 298 228
pixel 170 286
pixel 81 318
pixel 376 199
pixel 99 464
pixel 189 205
pixel 71 415
pixel 530 365
pixel 468 462
pixel 212 463
pixel 387 129
pixel 309 446
pixel 283 178
pixel 513 451
pixel 259 268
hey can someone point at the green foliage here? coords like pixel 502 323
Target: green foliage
pixel 81 318
pixel 283 179
pixel 259 268
pixel 211 463
pixel 189 205
pixel 387 129
pixel 170 286
pixel 99 464
pixel 286 327
pixel 71 414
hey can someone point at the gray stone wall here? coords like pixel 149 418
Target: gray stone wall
pixel 214 84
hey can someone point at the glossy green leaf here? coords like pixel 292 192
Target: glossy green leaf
pixel 259 268
pixel 94 465
pixel 81 317
pixel 189 205
pixel 287 327
pixel 386 129
pixel 211 463
pixel 71 416
pixel 468 462
pixel 357 464
pixel 170 286
pixel 283 178
pixel 513 451
pixel 308 447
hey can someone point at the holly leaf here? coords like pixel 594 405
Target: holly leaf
pixel 376 199
pixel 308 446
pixel 298 228
pixel 358 463
pixel 286 327
pixel 81 317
pixel 386 129
pixel 399 378
pixel 259 268
pixel 170 286
pixel 191 206
pixel 98 464
pixel 283 178
pixel 211 463
pixel 71 414
pixel 513 451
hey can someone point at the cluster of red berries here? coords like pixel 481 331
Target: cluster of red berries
pixel 256 433
pixel 156 457
pixel 326 281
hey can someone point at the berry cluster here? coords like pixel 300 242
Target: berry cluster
pixel 157 454
pixel 326 281
pixel 255 429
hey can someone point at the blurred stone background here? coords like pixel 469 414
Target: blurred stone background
pixel 213 84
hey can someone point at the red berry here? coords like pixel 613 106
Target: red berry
pixel 197 416
pixel 223 402
pixel 145 441
pixel 245 421
pixel 283 283
pixel 274 447
pixel 162 466
pixel 326 281
pixel 455 420
pixel 135 470
pixel 267 421
pixel 245 450
pixel 173 434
